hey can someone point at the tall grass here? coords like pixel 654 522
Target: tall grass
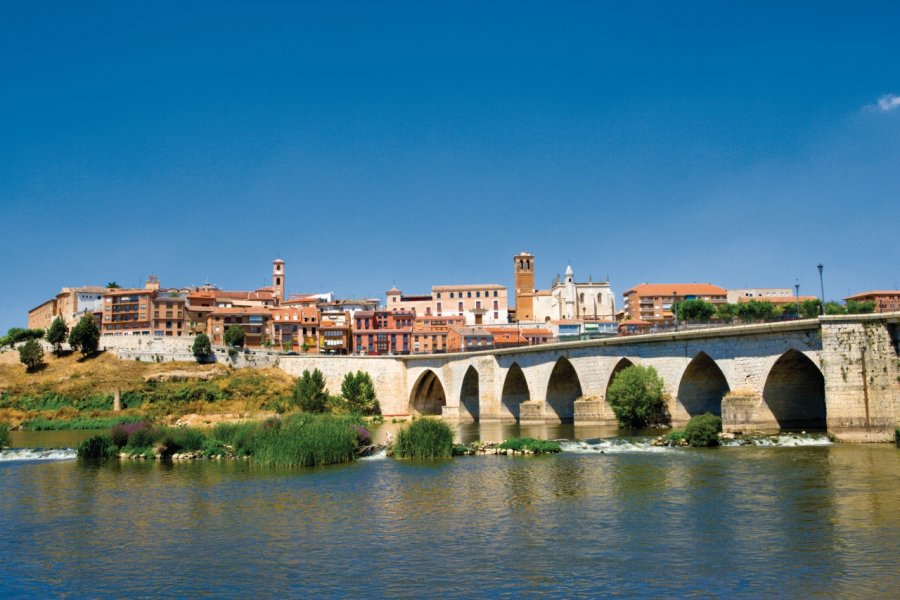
pixel 306 440
pixel 425 438
pixel 43 424
pixel 4 435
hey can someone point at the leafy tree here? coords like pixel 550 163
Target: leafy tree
pixel 201 348
pixel 359 391
pixel 309 391
pixel 636 397
pixel 14 335
pixel 834 308
pixel 112 285
pixel 809 309
pixel 85 336
pixel 726 312
pixel 702 430
pixel 756 310
pixel 855 307
pixel 57 334
pixel 31 355
pixel 788 310
pixel 695 309
pixel 234 336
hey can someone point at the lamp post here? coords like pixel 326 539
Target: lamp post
pixel 822 284
pixel 797 294
pixel 675 307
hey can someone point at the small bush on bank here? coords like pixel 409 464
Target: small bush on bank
pixel 181 439
pixel 425 438
pixel 702 430
pixel 531 445
pixel 675 436
pixel 97 447
pixel 4 435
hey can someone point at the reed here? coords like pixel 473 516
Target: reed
pixel 425 438
pixel 4 435
pixel 44 424
pixel 307 441
pixel 97 447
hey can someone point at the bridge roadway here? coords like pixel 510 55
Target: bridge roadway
pixel 837 373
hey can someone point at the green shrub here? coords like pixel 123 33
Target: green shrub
pixel 4 435
pixel 239 436
pixel 359 391
pixel 636 397
pixel 702 430
pixel 425 438
pixel 201 348
pixel 532 445
pixel 306 440
pixel 31 354
pixel 675 436
pixel 181 439
pixel 97 447
pixel 309 391
pixel 213 447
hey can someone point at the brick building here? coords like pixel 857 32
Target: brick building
pixel 885 300
pixel 430 332
pixel 383 332
pixel 652 302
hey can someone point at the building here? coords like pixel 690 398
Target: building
pixel 278 281
pixel 507 337
pixel 430 332
pixel 652 302
pixel 744 295
pixel 468 339
pixel 253 320
pixel 335 332
pixel 383 331
pixel 71 303
pixel 566 298
pixel 169 316
pixel 484 304
pixel 885 300
pixel 350 305
pixel 293 328
pixel 128 311
pixel 42 315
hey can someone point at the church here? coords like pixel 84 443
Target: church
pixel 566 299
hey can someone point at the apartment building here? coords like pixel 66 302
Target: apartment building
pixel 335 332
pixel 128 311
pixel 253 320
pixel 484 304
pixel 383 332
pixel 293 328
pixel 885 300
pixel 652 302
pixel 468 339
pixel 430 332
pixel 169 316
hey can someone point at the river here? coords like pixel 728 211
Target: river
pixel 795 517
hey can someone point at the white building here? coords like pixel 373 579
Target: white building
pixel 568 299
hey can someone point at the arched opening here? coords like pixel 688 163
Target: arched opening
pixel 702 386
pixel 562 390
pixel 515 391
pixel 428 395
pixel 623 363
pixel 795 392
pixel 468 397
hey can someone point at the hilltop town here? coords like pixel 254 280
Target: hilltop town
pixel 451 318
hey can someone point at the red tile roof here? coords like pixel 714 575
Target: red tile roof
pixel 680 289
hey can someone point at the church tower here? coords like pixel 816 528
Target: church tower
pixel 524 269
pixel 278 280
pixel 570 293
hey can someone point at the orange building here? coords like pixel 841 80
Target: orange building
pixel 127 311
pixel 507 337
pixel 652 302
pixel 293 327
pixel 42 315
pixel 430 333
pixel 383 332
pixel 335 332
pixel 523 263
pixel 169 316
pixel 252 320
pixel 467 339
pixel 885 301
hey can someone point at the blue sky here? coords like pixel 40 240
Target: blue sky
pixel 373 144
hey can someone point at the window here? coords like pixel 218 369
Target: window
pixel 495 293
pixel 478 294
pixel 469 294
pixel 451 295
pixel 439 295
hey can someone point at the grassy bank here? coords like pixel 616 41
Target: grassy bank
pixel 72 390
pixel 295 441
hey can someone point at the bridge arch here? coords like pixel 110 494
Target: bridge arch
pixel 427 397
pixel 515 392
pixel 795 392
pixel 563 389
pixel 702 386
pixel 623 364
pixel 469 406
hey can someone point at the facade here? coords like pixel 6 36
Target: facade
pixel 71 303
pixel 42 315
pixel 484 304
pixel 744 295
pixel 885 300
pixel 566 298
pixel 383 332
pixel 278 281
pixel 291 328
pixel 468 339
pixel 652 302
pixel 430 333
pixel 523 264
pixel 169 316
pixel 128 311
pixel 254 322
pixel 335 332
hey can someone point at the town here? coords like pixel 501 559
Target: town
pixel 451 318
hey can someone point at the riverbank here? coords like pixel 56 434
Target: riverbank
pixel 71 392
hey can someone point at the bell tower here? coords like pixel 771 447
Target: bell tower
pixel 278 280
pixel 524 280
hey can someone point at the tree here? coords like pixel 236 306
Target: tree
pixel 359 391
pixel 234 336
pixel 85 336
pixel 855 307
pixel 636 397
pixel 809 309
pixel 57 334
pixel 695 309
pixel 112 285
pixel 756 310
pixel 31 355
pixel 201 348
pixel 726 312
pixel 833 308
pixel 309 391
pixel 788 310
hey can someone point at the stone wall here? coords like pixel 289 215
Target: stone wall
pixel 169 349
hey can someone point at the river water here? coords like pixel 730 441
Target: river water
pixel 794 517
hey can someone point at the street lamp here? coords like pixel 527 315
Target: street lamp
pixel 797 293
pixel 675 307
pixel 822 284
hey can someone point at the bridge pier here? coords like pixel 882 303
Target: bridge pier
pixel 746 412
pixel 593 411
pixel 532 412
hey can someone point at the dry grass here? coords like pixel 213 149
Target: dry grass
pixel 243 390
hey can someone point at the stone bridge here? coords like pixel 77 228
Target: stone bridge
pixel 836 373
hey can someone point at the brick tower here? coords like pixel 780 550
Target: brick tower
pixel 524 268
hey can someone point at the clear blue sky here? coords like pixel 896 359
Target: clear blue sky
pixel 371 144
